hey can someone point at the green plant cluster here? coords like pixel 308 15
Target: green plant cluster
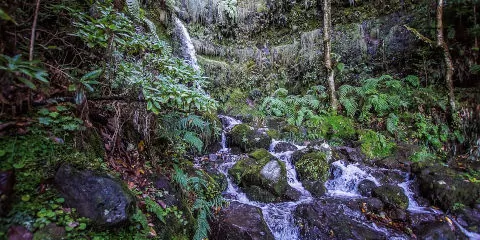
pixel 375 145
pixel 206 196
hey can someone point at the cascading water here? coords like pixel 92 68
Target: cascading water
pixel 186 46
pixel 346 179
pixel 342 188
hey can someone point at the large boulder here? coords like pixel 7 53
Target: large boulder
pixel 240 222
pixel 96 196
pixel 263 177
pixel 248 138
pixel 313 166
pixel 333 219
pixel 445 187
pixel 365 187
pixel 393 196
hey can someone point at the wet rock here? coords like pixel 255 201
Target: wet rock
pixel 284 147
pixel 260 169
pixel 240 222
pixel 316 188
pixel 393 196
pixel 374 205
pixel 292 194
pixel 469 218
pixel 248 138
pixel 418 219
pixel 313 166
pixel 19 233
pixel 332 219
pixel 434 231
pixel 7 180
pixel 50 232
pixel 98 197
pixel 444 186
pixel 401 158
pixel 365 187
pixel 398 214
pixel 259 194
pixel 354 155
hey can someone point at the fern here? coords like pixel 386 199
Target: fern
pixel 156 209
pixel 281 92
pixel 133 7
pixel 392 123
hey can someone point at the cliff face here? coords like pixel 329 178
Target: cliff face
pixel 269 44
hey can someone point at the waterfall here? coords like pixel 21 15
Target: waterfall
pixel 187 51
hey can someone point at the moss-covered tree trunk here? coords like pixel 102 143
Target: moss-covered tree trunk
pixel 447 58
pixel 327 51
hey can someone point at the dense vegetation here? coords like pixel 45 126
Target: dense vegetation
pixel 99 85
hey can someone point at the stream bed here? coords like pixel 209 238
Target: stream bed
pixel 346 210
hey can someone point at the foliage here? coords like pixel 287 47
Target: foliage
pixel 330 126
pixel 375 145
pixel 313 166
pixel 142 62
pixel 206 196
pixel 59 118
pixel 297 109
pixel 194 130
pixel 23 71
pixel 423 155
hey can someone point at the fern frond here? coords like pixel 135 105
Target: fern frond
pixel 414 81
pixel 392 123
pixel 202 227
pixel 192 139
pixel 281 92
pixel 133 7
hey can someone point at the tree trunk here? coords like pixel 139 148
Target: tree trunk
pixel 447 58
pixel 327 51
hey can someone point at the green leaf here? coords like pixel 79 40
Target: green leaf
pixel 27 82
pixel 41 76
pixel 44 120
pixel 82 226
pixel 5 16
pixel 54 114
pixel 19 165
pixel 26 198
pixel 91 75
pixel 341 67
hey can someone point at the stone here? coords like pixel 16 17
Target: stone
pixel 434 231
pixel 354 155
pixel 292 194
pixel 374 205
pixel 248 138
pixel 240 221
pixel 96 196
pixel 392 195
pixel 313 166
pixel 19 233
pixel 260 169
pixel 444 188
pixel 7 180
pixel 50 232
pixel 316 188
pixel 163 183
pixel 328 219
pixel 365 187
pixel 284 147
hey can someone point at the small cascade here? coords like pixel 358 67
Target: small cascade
pixel 342 189
pixel 187 50
pixel 346 178
pixel 413 206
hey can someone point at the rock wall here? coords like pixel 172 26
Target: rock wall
pixel 269 44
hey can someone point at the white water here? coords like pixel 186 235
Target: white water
pixel 346 184
pixel 186 45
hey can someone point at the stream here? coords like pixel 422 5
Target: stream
pixel 342 189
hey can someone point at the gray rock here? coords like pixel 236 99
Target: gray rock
pixel 284 147
pixel 240 222
pixel 272 171
pixel 365 187
pixel 392 195
pixel 99 197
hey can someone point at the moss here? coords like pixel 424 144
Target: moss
pixel 245 137
pixel 376 145
pixel 313 166
pixel 260 154
pixel 273 134
pixel 391 195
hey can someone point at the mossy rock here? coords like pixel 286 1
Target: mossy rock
pixel 247 138
pixel 259 194
pixel 290 131
pixel 445 187
pixel 313 166
pixel 393 196
pixel 274 134
pixel 262 171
